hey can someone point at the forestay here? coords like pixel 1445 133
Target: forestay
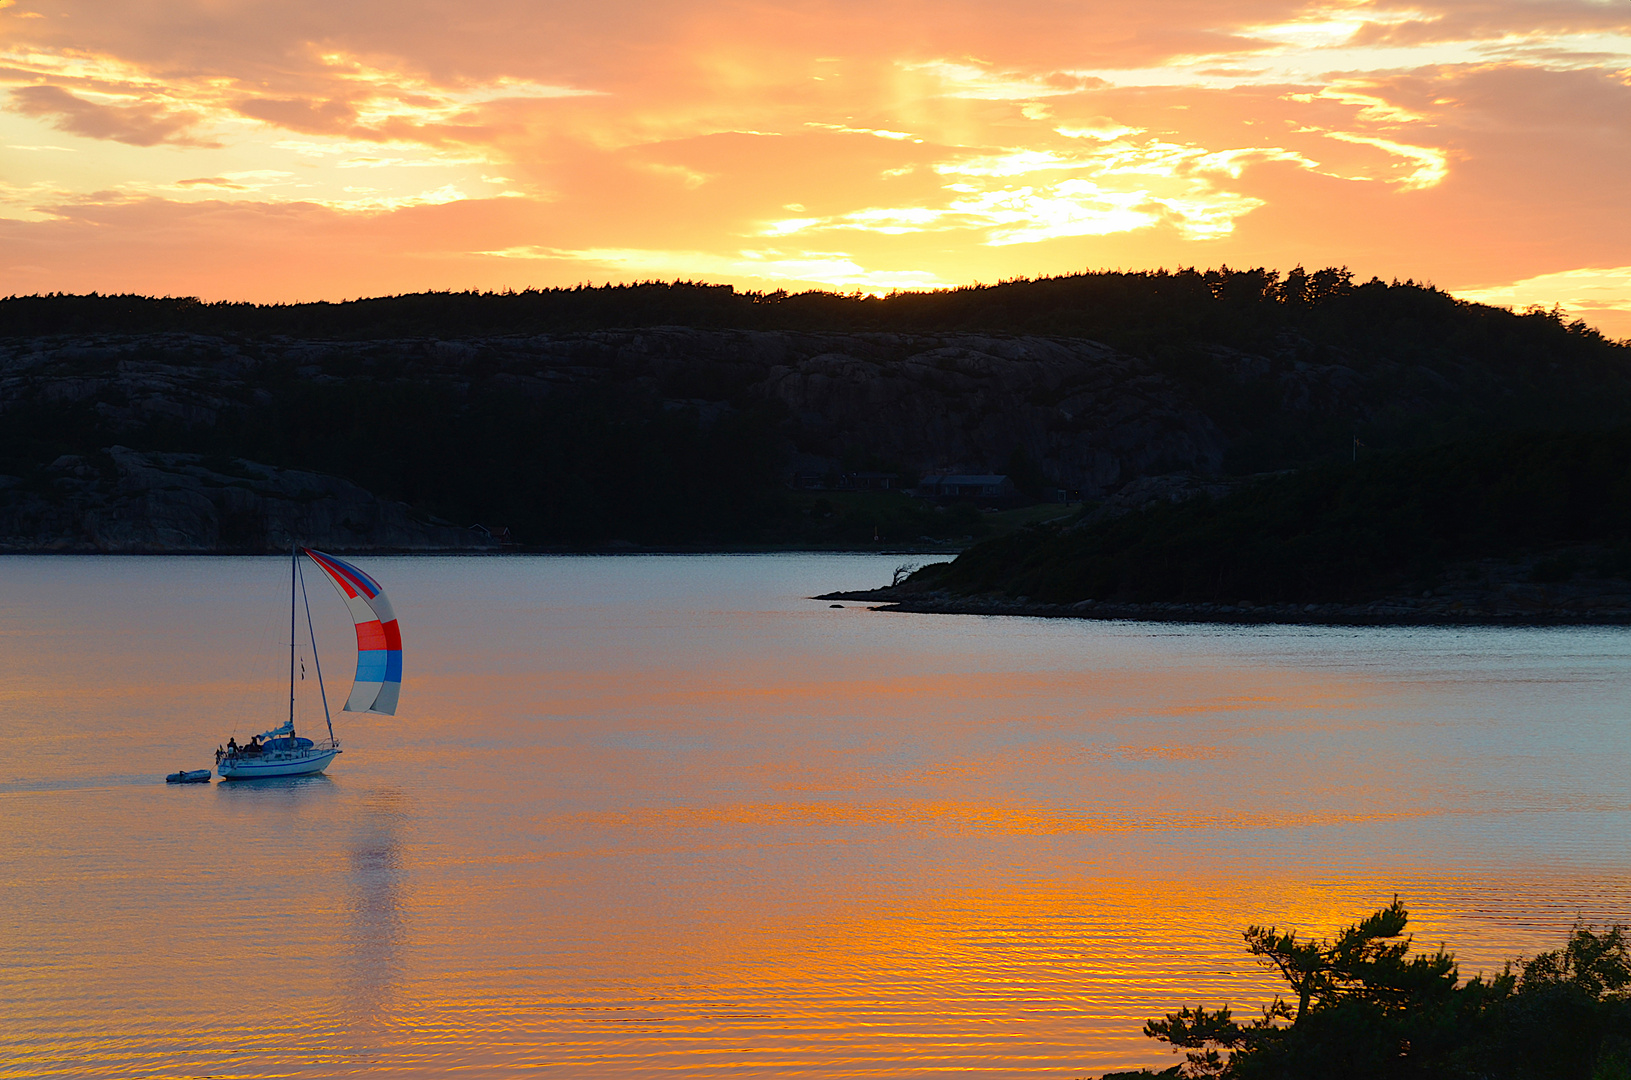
pixel 379 642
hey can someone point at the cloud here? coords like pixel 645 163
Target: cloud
pixel 1428 165
pixel 1081 207
pixel 372 201
pixel 331 93
pixel 980 82
pixel 1101 128
pixel 689 177
pixel 875 132
pixel 301 114
pixel 1357 92
pixel 1589 293
pixel 136 125
pixel 1460 20
pixel 1115 185
pixel 1334 42
pixel 31 202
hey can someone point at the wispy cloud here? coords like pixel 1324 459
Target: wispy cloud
pixel 983 83
pixel 107 97
pixel 1426 166
pixel 878 133
pixel 138 124
pixel 1587 293
pixel 1116 185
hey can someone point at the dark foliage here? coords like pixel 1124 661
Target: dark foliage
pixel 587 464
pixel 1366 1008
pixel 1153 313
pixel 1338 532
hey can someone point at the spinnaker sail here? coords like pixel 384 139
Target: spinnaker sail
pixel 379 641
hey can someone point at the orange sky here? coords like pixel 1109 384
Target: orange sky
pixel 245 149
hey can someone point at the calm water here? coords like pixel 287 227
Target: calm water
pixel 664 816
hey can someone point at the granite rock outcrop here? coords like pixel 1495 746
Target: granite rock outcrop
pixel 124 501
pixel 1089 417
pixel 1078 414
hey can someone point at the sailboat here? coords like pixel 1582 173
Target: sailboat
pixel 282 752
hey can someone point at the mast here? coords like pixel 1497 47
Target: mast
pixel 294 566
pixel 315 659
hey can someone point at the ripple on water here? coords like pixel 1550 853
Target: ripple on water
pixel 646 816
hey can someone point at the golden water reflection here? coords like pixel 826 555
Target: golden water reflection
pixel 646 817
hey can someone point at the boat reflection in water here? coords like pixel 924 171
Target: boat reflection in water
pixel 371 967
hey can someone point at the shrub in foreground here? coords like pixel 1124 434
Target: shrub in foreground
pixel 1361 1005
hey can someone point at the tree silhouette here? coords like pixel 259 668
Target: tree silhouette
pixel 1367 1008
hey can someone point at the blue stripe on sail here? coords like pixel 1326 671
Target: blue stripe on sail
pixel 371 665
pixel 368 586
pixel 393 665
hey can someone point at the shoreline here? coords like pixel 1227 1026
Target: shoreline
pixel 797 549
pixel 1535 608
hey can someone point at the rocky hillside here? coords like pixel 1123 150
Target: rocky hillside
pixel 1089 416
pixel 690 436
pixel 121 500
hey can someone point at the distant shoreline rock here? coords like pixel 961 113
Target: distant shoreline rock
pixel 1588 603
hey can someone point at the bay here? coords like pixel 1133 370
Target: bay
pixel 645 815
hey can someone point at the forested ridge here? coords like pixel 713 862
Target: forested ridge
pixel 1130 310
pixel 681 414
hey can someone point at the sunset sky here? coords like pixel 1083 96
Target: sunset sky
pixel 244 149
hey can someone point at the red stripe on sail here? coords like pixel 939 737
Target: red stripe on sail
pixel 359 580
pixel 393 636
pixel 348 577
pixel 336 575
pixel 355 580
pixel 370 635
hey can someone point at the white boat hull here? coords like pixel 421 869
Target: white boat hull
pixel 264 766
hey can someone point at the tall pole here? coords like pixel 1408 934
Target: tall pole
pixel 293 566
pixel 311 631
